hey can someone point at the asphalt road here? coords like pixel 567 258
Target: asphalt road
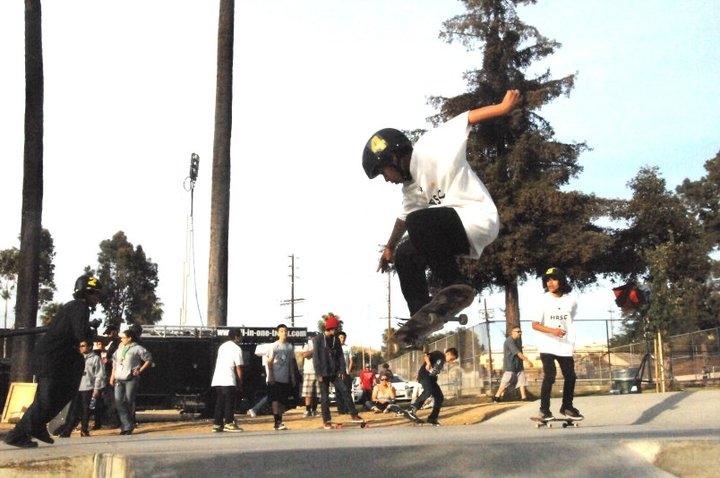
pixel 506 445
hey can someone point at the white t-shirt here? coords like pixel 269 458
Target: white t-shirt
pixel 442 177
pixel 308 366
pixel 229 355
pixel 347 353
pixel 557 312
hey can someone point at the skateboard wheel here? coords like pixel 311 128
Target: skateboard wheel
pixel 463 319
pixel 564 425
pixel 576 425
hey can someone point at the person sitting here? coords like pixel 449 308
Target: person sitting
pixel 383 396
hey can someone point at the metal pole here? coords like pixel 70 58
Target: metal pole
pixel 490 361
pixel 607 337
pixel 292 290
pixel 389 313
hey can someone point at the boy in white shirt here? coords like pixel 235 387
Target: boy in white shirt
pixel 226 378
pixel 447 211
pixel 556 342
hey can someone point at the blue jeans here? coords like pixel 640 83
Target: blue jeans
pixel 125 391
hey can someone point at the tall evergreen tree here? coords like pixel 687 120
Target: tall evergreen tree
pixel 519 159
pixel 664 246
pixel 702 197
pixel 129 281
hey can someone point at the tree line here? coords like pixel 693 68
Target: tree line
pixel 129 279
pixel 659 237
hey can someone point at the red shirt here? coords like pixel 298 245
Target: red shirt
pixel 367 379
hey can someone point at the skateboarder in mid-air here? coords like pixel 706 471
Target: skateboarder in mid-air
pixel 556 341
pixel 447 211
pixel 433 363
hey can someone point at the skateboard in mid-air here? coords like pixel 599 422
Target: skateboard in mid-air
pixel 433 315
pixel 547 422
pixel 341 425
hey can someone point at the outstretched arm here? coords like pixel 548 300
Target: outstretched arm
pixel 492 111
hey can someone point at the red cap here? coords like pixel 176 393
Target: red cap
pixel 331 322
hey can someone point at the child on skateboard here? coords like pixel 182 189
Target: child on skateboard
pixel 447 211
pixel 556 342
pixel 427 376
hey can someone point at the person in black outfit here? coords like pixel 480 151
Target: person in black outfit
pixel 427 376
pixel 330 368
pixel 58 364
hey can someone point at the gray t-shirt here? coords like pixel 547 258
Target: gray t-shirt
pixel 128 358
pixel 280 357
pixel 511 362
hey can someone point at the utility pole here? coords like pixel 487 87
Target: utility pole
pixel 389 313
pixel 487 329
pixel 292 300
pixel 189 186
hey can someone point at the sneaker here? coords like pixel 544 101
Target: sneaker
pixel 217 428
pixel 307 414
pixel 44 436
pixel 280 426
pixel 433 422
pixel 495 399
pixel 252 413
pixel 376 409
pixel 545 415
pixel 571 412
pixel 410 412
pixel 327 426
pixel 84 433
pixel 314 413
pixel 357 419
pixel 232 428
pixel 23 442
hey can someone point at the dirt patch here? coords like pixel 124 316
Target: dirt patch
pixel 690 459
pixel 465 411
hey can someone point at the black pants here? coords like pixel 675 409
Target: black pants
pixel 567 366
pixel 342 396
pixel 53 393
pixel 436 237
pixel 348 385
pixel 430 388
pixel 225 405
pixel 79 412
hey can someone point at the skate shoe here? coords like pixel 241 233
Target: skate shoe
pixel 217 428
pixel 433 422
pixel 280 426
pixel 571 412
pixel 410 413
pixel 357 419
pixel 545 415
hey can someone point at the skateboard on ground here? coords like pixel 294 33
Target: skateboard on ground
pixel 547 422
pixel 341 425
pixel 433 315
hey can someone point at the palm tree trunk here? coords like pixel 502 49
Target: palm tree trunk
pixel 220 194
pixel 512 306
pixel 31 224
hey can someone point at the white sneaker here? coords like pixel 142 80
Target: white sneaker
pixel 280 426
pixel 252 413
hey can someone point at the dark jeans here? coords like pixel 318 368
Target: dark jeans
pixel 366 398
pixel 342 396
pixel 567 366
pixel 53 393
pixel 79 412
pixel 430 388
pixel 348 384
pixel 225 405
pixel 436 237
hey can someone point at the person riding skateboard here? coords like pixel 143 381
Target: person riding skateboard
pixel 433 363
pixel 447 210
pixel 555 329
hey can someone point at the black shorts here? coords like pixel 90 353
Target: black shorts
pixel 279 392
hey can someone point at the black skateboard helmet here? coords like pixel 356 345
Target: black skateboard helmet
pixel 386 147
pixel 86 283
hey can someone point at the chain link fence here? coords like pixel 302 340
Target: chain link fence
pixel 690 359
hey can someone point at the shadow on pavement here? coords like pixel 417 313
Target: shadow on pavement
pixel 668 404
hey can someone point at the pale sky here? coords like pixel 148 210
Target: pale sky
pixel 130 91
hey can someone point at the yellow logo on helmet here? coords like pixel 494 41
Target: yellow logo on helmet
pixel 377 144
pixel 92 282
pixel 551 271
